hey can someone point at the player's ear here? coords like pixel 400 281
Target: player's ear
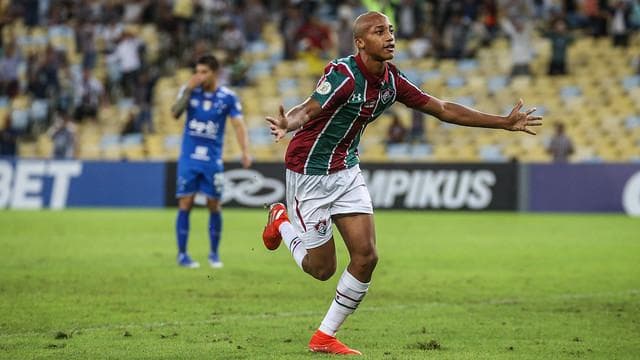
pixel 359 43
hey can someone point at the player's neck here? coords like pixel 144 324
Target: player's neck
pixel 211 87
pixel 374 67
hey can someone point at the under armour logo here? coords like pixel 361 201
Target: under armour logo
pixel 356 98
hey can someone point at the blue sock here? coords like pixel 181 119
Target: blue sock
pixel 215 228
pixel 182 230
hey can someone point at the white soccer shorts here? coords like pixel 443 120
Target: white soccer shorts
pixel 313 199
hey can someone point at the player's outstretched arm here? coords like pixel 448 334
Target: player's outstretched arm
pixel 450 112
pixel 294 119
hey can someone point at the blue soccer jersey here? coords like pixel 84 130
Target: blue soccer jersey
pixel 203 138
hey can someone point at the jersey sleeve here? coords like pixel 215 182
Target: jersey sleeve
pixel 235 108
pixel 334 87
pixel 409 94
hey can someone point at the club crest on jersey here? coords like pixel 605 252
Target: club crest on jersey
pixel 206 105
pixel 321 227
pixel 387 94
pixel 324 88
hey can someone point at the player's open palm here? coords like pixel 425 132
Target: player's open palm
pixel 278 125
pixel 522 120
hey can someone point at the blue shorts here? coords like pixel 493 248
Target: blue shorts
pixel 195 179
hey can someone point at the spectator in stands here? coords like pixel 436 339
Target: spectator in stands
pixel 315 36
pixel 232 39
pixel 408 17
pixel 9 64
pixel 519 31
pixel 595 12
pixel 489 17
pixel 63 135
pixel 454 37
pixel 89 96
pixel 43 74
pixel 237 69
pixel 8 138
pixel 144 100
pixel 183 14
pixel 621 23
pixel 86 43
pixel 560 41
pixel 255 16
pixel 416 131
pixel 110 33
pixel 344 32
pixel 128 56
pixel 397 132
pixel 290 22
pixel 560 147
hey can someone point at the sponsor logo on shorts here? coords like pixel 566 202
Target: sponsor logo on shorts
pixel 321 227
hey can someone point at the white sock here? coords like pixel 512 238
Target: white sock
pixel 349 294
pixel 292 241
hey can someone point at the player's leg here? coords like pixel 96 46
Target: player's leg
pixel 185 192
pixel 215 229
pixel 308 236
pixel 353 216
pixel 318 261
pixel 357 231
pixel 185 203
pixel 210 183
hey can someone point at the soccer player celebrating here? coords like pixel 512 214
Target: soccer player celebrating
pixel 200 165
pixel 324 182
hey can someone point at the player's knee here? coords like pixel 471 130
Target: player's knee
pixel 324 273
pixel 185 206
pixel 214 205
pixel 366 261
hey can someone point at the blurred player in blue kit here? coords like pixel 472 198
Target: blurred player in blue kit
pixel 200 166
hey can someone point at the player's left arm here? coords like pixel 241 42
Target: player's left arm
pixel 454 113
pixel 243 139
pixel 413 97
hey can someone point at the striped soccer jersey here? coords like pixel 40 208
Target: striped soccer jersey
pixel 351 98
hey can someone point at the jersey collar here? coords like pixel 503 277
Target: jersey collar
pixel 379 81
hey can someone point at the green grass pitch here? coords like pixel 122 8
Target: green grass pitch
pixel 98 284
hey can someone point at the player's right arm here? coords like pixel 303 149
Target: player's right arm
pixel 294 119
pixel 334 89
pixel 183 96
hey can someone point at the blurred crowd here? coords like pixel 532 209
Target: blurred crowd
pixel 110 59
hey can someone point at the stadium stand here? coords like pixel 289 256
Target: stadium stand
pixel 598 101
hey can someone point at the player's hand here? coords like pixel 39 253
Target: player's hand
pixel 522 120
pixel 278 125
pixel 195 81
pixel 246 161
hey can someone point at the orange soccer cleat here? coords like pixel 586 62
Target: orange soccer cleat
pixel 271 234
pixel 321 342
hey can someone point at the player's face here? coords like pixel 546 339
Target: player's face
pixel 379 40
pixel 207 76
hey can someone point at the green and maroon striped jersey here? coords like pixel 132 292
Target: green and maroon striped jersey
pixel 351 98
